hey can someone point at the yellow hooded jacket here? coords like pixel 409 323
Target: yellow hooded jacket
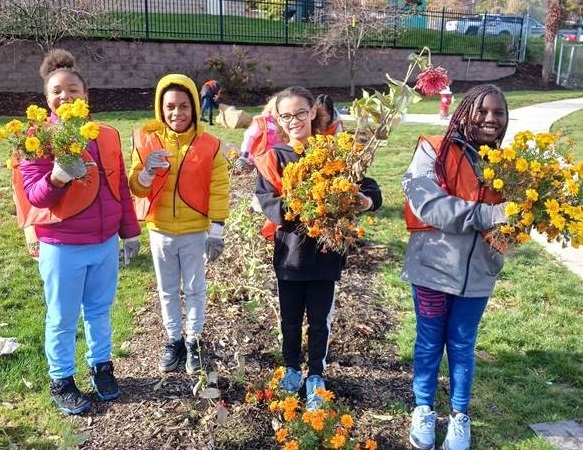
pixel 170 213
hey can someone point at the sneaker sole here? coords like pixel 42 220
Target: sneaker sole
pixel 73 412
pixel 105 398
pixel 415 445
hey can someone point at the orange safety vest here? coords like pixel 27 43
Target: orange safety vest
pixel 267 165
pixel 260 145
pixel 194 176
pixel 331 130
pixel 80 193
pixel 461 182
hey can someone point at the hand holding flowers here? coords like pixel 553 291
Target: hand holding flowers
pixel 64 140
pixel 542 185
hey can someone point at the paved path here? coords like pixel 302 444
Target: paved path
pixel 536 118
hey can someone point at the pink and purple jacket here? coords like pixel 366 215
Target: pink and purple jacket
pixel 105 217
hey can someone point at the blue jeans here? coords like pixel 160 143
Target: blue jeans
pixel 78 279
pixel 445 321
pixel 179 259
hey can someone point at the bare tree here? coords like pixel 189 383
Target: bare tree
pixel 554 19
pixel 348 23
pixel 49 21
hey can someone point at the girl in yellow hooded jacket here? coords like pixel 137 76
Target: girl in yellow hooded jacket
pixel 180 179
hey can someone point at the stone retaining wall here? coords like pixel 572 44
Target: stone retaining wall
pixel 129 64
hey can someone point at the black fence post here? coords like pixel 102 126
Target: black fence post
pixel 147 18
pixel 442 30
pixel 286 22
pixel 222 21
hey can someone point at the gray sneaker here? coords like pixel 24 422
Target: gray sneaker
pixel 173 352
pixel 68 397
pixel 458 435
pixel 422 432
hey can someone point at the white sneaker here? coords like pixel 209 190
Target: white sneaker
pixel 458 433
pixel 422 433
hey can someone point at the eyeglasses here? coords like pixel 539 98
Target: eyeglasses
pixel 300 115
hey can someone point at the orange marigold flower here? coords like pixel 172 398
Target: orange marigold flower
pixel 291 445
pixel 281 435
pixel 347 421
pixel 337 441
pixel 325 394
pixel 370 444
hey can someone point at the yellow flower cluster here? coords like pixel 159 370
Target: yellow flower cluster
pixel 62 140
pixel 328 427
pixel 318 192
pixel 542 185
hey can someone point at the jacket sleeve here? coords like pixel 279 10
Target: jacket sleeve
pixel 129 226
pixel 251 135
pixel 434 206
pixel 219 188
pixel 37 186
pixel 270 200
pixel 370 188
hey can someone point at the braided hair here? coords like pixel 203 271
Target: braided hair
pixel 59 60
pixel 462 124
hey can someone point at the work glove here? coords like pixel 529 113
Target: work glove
pixel 74 169
pixel 214 243
pixel 155 160
pixel 131 247
pixel 243 165
pixel 363 202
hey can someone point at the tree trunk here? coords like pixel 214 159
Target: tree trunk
pixel 548 62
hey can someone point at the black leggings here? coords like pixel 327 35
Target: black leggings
pixel 317 299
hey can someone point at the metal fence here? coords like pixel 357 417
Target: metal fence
pixel 280 22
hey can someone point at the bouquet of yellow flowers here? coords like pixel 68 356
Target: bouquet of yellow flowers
pixel 317 190
pixel 328 427
pixel 542 185
pixel 321 188
pixel 63 140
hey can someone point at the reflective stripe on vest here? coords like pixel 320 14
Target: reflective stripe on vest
pixel 80 193
pixel 461 182
pixel 193 177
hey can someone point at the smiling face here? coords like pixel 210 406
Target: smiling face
pixel 177 110
pixel 64 86
pixel 295 116
pixel 489 120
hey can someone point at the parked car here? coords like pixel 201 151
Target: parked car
pixel 467 25
pixel 513 25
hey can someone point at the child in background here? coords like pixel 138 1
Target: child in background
pixel 263 133
pixel 179 175
pixel 451 266
pixel 210 95
pixel 79 253
pixel 306 276
pixel 334 123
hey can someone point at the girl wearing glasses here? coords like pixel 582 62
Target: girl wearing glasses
pixel 306 276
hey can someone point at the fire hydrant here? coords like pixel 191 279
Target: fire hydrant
pixel 446 99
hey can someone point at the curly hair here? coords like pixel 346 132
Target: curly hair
pixel 59 60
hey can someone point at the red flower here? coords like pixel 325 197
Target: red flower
pixel 268 394
pixel 432 80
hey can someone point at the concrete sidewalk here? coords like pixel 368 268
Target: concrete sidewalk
pixel 536 118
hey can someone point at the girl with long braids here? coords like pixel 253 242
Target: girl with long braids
pixel 449 262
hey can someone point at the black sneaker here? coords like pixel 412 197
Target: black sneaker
pixel 194 362
pixel 68 397
pixel 104 381
pixel 173 353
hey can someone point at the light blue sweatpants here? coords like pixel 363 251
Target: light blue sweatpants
pixel 78 279
pixel 179 260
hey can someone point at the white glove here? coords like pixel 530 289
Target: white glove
pixel 131 247
pixel 214 243
pixel 363 202
pixel 156 160
pixel 76 169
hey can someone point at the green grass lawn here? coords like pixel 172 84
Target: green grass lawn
pixel 530 350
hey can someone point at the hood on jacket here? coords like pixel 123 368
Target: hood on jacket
pixel 182 80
